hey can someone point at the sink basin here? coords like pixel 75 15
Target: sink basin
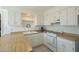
pixel 30 32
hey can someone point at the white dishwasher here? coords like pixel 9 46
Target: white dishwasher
pixel 51 41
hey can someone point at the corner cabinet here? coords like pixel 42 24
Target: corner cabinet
pixel 65 45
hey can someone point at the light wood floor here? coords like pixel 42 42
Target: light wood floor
pixel 15 42
pixel 41 48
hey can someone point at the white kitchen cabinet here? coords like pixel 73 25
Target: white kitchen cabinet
pixel 17 20
pixel 50 42
pixel 77 15
pixel 35 39
pixel 68 16
pixel 51 17
pixel 47 19
pixel 65 45
pixel 77 10
pixel 57 16
pixel 40 19
pixel 63 17
pixel 71 16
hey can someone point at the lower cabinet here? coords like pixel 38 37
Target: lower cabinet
pixel 56 44
pixel 50 42
pixel 35 39
pixel 65 45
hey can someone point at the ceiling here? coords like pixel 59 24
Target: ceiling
pixel 39 8
pixel 33 8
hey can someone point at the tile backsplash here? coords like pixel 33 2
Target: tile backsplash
pixel 59 28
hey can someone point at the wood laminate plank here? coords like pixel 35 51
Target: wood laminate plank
pixel 15 42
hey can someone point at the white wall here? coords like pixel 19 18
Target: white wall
pixel 12 11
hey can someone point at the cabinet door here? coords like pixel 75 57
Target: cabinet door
pixel 57 15
pixel 52 41
pixel 45 38
pixel 64 45
pixel 35 39
pixel 77 10
pixel 69 46
pixel 18 19
pixel 60 46
pixel 63 17
pixel 71 15
pixel 47 19
pixel 77 15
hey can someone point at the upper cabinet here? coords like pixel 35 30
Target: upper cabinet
pixel 63 17
pixel 77 15
pixel 71 16
pixel 68 16
pixel 17 20
pixel 14 18
pixel 51 17
pixel 47 19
